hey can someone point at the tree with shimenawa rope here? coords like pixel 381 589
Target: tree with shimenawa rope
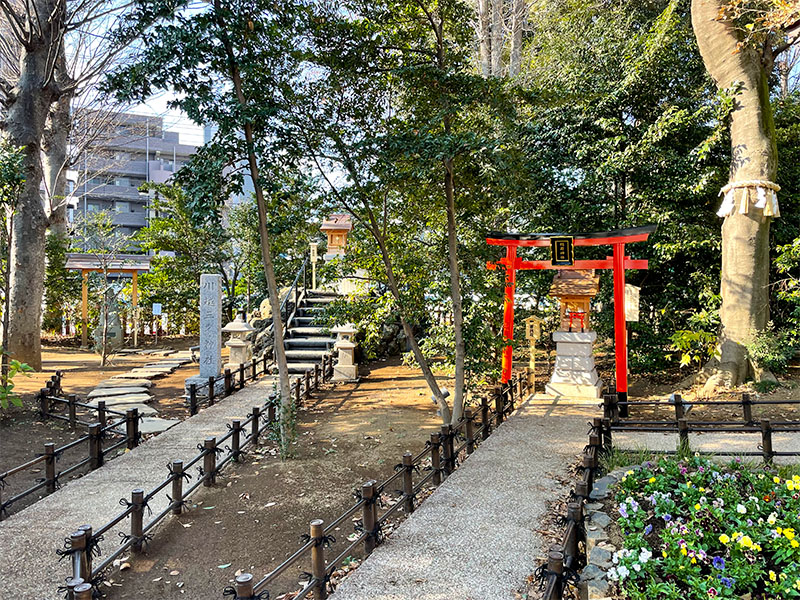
pixel 739 41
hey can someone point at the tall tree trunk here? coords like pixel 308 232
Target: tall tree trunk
pixel 24 125
pixel 287 433
pixel 518 15
pixel 745 237
pixel 498 35
pixel 455 288
pixel 484 38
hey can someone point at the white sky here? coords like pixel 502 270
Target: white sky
pixel 174 120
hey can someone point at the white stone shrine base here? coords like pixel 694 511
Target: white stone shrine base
pixel 574 375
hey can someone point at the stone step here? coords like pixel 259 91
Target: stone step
pixel 322 294
pixel 137 376
pixel 119 391
pixel 144 410
pixel 296 332
pixel 307 354
pixel 124 382
pixel 309 342
pixel 321 300
pixel 301 367
pixel 303 321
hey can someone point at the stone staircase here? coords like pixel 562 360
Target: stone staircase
pixel 305 342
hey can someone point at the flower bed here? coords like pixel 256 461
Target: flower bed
pixel 694 530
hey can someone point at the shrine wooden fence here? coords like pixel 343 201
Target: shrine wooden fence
pixel 109 424
pixel 443 453
pixel 617 418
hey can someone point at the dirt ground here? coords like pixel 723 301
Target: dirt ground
pixel 253 519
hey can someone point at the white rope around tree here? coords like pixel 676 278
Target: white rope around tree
pixel 766 197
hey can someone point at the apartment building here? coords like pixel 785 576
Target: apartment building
pixel 131 150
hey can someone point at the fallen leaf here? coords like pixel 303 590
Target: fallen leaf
pixel 225 566
pixel 157 579
pixel 174 572
pixel 124 566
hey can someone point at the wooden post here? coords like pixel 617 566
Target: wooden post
pixel 227 382
pixel 318 560
pixel 192 399
pixel 436 461
pixel 243 584
pixel 50 467
pixel 271 413
pixel 316 376
pixel 307 384
pixel 95 446
pixel 255 425
pixel 486 429
pixel 73 418
pixel 369 515
pixel 102 415
pixel 575 515
pixel 72 583
pixel 680 412
pixel 86 559
pixel 135 305
pixel 555 564
pixel 77 543
pixel 44 404
pixel 606 435
pixel 408 483
pixel 470 430
pixel 236 441
pixel 499 405
pixel 253 365
pixel 264 358
pixel 177 486
pixel 212 383
pixel 84 309
pixel 209 461
pixel 297 392
pixel 241 376
pixel 766 441
pixel 137 518
pixel 445 450
pixel 747 408
pixel 683 435
pixel 83 591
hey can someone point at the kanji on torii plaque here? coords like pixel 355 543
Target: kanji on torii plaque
pixel 562 249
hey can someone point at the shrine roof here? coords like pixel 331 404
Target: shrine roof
pixel 597 238
pixel 575 283
pixel 337 222
pixel 120 262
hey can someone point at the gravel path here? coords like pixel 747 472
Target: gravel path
pixel 477 537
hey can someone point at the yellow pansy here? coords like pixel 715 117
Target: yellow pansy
pixel 688 484
pixel 664 553
pixel 789 533
pixel 756 547
pixel 794 543
pixel 797 584
pixel 790 485
pixel 746 542
pixel 628 472
pixel 694 560
pixel 772 576
pixel 776 479
pixel 651 480
pixel 724 538
pixel 697 506
pixel 779 530
pixel 683 550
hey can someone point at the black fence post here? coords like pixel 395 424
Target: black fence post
pixel 73 418
pixel 44 403
pixel 436 462
pixel 318 571
pixel 264 358
pixel 316 376
pixel 243 584
pixel 408 483
pixel 607 441
pixel 555 565
pixel 209 461
pixel 445 451
pixel 469 416
pixel 95 446
pixel 137 519
pixel 575 516
pixel 307 384
pixel 212 384
pixel 683 436
pixel 236 441
pixel 486 429
pixel 253 366
pixel 766 441
pixel 177 486
pixel 77 542
pixel 227 382
pixel 241 376
pixel 369 515
pixel 132 427
pixel 192 399
pixel 680 410
pixel 747 408
pixel 86 559
pixel 50 467
pixel 297 391
pixel 499 405
pixel 255 425
pixel 72 583
pixel 83 591
pixel 102 415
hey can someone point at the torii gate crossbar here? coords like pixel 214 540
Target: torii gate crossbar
pixel 618 262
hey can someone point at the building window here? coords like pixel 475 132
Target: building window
pixel 93 207
pixel 122 207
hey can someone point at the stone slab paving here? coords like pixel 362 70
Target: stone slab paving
pixel 118 383
pixel 120 399
pixel 120 391
pixel 29 538
pixel 477 536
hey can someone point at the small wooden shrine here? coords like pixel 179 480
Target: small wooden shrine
pixel 336 227
pixel 575 290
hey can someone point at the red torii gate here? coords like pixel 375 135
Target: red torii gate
pixel 563 258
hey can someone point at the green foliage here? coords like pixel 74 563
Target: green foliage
pixel 62 287
pixel 370 313
pixel 694 529
pixel 7 395
pixel 771 349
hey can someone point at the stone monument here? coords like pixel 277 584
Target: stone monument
pixel 345 368
pixel 210 333
pixel 575 375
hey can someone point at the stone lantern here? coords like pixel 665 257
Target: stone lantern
pixel 241 348
pixel 574 374
pixel 346 368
